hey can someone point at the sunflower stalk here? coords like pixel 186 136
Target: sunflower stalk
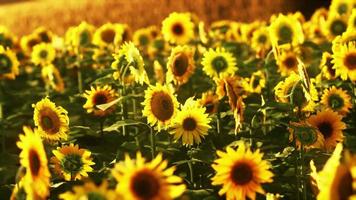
pixel 3 138
pixel 80 81
pixel 191 172
pixel 153 143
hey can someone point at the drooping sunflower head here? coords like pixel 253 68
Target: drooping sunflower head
pixel 210 101
pixel 178 28
pixel 72 162
pixel 99 95
pixel 327 66
pixel 337 100
pixel 287 62
pixel 345 61
pixel 129 60
pixel 191 123
pixel 180 65
pixel 139 179
pixel 291 90
pixel 9 65
pixel 36 181
pixel 336 181
pixel 335 25
pixel 286 29
pixel 328 123
pixel 160 105
pixel 108 34
pixel 52 77
pixel 305 135
pixel 233 82
pixel 52 121
pixel 219 63
pixel 43 54
pixel 241 172
pixel 91 191
pixel 255 83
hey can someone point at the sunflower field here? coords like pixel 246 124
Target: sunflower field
pixel 184 110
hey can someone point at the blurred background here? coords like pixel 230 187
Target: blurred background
pixel 23 16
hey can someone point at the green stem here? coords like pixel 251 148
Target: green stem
pixel 218 125
pixel 102 121
pixel 3 138
pixel 124 110
pixel 304 185
pixel 191 172
pixel 80 82
pixel 153 144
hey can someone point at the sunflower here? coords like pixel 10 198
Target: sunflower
pixel 222 29
pixel 129 58
pixel 327 66
pixel 191 123
pixel 97 96
pixel 43 54
pixel 140 180
pixel 291 90
pixel 36 181
pixel 143 37
pixel 90 191
pixel 210 101
pixel 330 125
pixel 52 121
pixel 260 41
pixel 43 34
pixel 160 105
pixel 335 25
pixel 286 29
pixel 52 77
pixel 287 62
pixel 314 32
pixel 81 35
pixel 27 43
pixel 178 28
pixel 7 39
pixel 241 172
pixel 305 135
pixel 108 34
pixel 218 63
pixel 180 65
pixel 9 65
pixel 255 83
pixel 18 192
pixel 336 181
pixel 342 7
pixel 345 61
pixel 71 162
pixel 337 100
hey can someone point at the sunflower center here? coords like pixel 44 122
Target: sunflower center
pixel 35 162
pixel 262 39
pixel 336 102
pixel 32 43
pixel 290 62
pixel 350 61
pixel 108 36
pixel 342 8
pixel 178 29
pixel 100 98
pixel 209 107
pixel 241 173
pixel 326 129
pixel 143 40
pixel 180 64
pixel 256 81
pixel 95 196
pixel 306 135
pixel 285 34
pixel 72 163
pixel 49 121
pixel 338 27
pixel 189 124
pixel 5 64
pixel 45 37
pixel 344 188
pixel 84 37
pixel 43 54
pixel 145 185
pixel 125 35
pixel 219 63
pixel 162 106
